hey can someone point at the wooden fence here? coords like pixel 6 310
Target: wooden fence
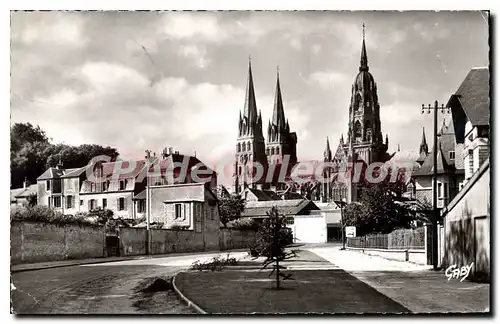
pixel 402 239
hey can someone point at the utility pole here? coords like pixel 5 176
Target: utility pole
pixel 435 212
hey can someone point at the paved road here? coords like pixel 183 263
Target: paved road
pixel 111 288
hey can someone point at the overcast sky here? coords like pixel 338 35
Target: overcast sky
pixel 146 80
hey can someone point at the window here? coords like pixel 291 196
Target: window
pixel 141 207
pixel 238 147
pixel 178 211
pixel 104 203
pixel 471 162
pixel 452 155
pixel 47 184
pixel 122 204
pixel 277 150
pixel 440 188
pixel 105 186
pixel 92 187
pixel 69 201
pixel 123 184
pixel 57 201
pixel 212 213
pixel 445 190
pixel 81 202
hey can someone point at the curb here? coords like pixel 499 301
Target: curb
pixel 189 302
pixel 67 265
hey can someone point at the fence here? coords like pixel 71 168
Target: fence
pixel 402 239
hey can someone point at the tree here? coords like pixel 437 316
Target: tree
pixel 380 208
pixel 272 238
pixel 230 208
pixel 31 153
pixel 31 200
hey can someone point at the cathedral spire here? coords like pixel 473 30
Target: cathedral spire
pixel 250 111
pixel 364 58
pixel 423 144
pixel 278 112
pixel 328 151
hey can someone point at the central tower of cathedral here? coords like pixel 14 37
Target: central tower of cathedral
pixel 364 131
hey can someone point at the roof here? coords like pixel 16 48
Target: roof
pixel 182 192
pixel 141 195
pixel 285 207
pixel 15 192
pixel 71 173
pixel 474 96
pixel 261 196
pixel 51 173
pixel 23 192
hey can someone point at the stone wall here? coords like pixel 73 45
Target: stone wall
pixel 236 239
pixel 133 241
pixel 41 242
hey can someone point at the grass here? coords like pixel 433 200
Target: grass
pixel 243 289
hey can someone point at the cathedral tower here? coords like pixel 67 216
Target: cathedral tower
pixel 280 141
pixel 365 132
pixel 250 144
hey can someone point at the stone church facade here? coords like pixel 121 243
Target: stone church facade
pixel 252 150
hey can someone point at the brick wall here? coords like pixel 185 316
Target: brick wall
pixel 40 242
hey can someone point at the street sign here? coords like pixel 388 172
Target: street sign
pixel 350 231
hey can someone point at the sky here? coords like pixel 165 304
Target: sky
pixel 148 80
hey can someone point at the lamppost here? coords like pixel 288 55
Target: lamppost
pixel 435 216
pixel 341 204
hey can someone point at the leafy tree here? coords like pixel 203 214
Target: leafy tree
pixel 230 208
pixel 272 238
pixel 31 153
pixel 380 208
pixel 32 200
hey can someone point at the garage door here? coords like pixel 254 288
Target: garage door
pixel 310 229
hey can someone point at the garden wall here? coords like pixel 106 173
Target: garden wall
pixel 42 242
pixel 236 239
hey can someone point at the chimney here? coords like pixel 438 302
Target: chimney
pixel 25 182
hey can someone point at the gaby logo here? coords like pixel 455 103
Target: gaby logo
pixel 454 272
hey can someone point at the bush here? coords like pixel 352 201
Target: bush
pixel 216 264
pixel 44 214
pixel 244 224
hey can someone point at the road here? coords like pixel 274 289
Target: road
pixel 106 288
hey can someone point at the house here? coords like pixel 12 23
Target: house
pixel 19 196
pixel 50 187
pixel 190 205
pixel 450 171
pixel 173 169
pixel 71 185
pixel 305 226
pixel 113 186
pixel 467 216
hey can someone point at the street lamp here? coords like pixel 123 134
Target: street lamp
pixel 341 204
pixel 434 217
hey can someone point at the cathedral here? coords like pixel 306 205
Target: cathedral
pixel 364 141
pixel 364 137
pixel 252 148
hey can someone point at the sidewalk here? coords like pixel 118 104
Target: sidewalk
pixel 416 287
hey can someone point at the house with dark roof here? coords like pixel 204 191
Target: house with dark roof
pixel 449 170
pixel 466 218
pixel 470 106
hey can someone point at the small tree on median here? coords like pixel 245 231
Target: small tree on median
pixel 272 238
